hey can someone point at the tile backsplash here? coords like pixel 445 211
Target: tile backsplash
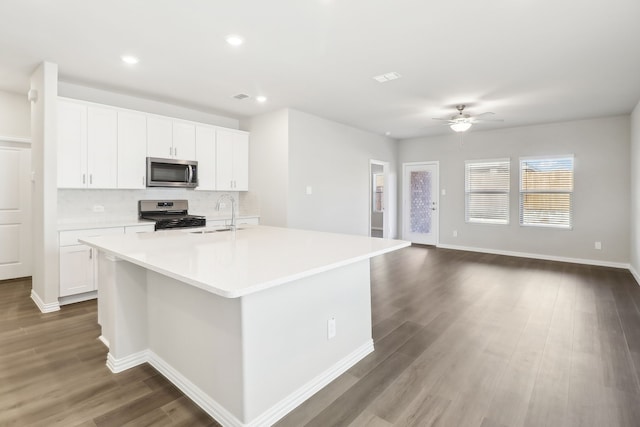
pixel 81 205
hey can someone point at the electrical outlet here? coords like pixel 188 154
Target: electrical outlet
pixel 455 233
pixel 443 192
pixel 309 190
pixel 98 208
pixel 598 246
pixel 331 328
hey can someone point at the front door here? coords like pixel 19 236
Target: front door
pixel 420 203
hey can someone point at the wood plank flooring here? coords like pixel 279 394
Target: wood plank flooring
pixel 462 339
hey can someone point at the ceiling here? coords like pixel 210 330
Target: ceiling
pixel 529 61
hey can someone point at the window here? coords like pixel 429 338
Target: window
pixel 546 188
pixel 487 191
pixel 378 192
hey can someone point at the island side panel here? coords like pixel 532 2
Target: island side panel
pixel 122 289
pixel 286 346
pixel 197 334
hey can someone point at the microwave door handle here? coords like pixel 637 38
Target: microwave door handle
pixel 190 174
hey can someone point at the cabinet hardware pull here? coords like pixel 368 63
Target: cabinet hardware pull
pixel 91 253
pixel 175 151
pixel 170 151
pixel 90 178
pixel 84 178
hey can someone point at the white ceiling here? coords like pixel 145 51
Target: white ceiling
pixel 529 61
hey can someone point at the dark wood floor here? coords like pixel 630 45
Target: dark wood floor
pixel 461 339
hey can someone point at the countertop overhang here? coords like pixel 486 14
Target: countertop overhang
pixel 233 264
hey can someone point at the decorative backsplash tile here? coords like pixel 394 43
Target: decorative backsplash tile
pixel 78 205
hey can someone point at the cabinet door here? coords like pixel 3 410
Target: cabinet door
pixel 159 137
pixel 102 147
pixel 76 270
pixel 241 162
pixel 224 160
pixel 206 157
pixel 132 150
pixel 72 145
pixel 184 141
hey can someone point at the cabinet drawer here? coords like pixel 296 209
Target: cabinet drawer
pixel 68 238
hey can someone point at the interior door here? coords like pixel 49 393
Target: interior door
pixel 420 203
pixel 15 213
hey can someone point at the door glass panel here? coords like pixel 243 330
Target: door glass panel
pixel 420 200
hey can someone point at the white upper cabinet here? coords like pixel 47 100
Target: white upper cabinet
pixel 87 146
pixel 232 160
pixel 184 141
pixel 159 137
pixel 170 139
pixel 72 145
pixel 102 147
pixel 132 150
pixel 206 157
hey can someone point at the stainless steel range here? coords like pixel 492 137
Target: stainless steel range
pixel 169 214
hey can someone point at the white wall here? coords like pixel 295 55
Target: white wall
pixel 121 100
pixel 15 115
pixel 601 196
pixel 333 159
pixel 635 192
pixel 269 165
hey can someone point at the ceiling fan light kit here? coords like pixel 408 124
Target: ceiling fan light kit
pixel 462 122
pixel 460 126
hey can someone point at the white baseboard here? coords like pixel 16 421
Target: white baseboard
pixel 71 299
pixel 537 256
pixel 289 403
pixel 135 359
pixel 273 414
pixel 635 274
pixel 44 308
pixel 104 341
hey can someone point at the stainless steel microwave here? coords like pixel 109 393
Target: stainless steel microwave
pixel 171 173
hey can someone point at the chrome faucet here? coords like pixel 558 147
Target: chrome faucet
pixel 230 198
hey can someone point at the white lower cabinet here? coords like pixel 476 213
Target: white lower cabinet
pixel 78 261
pixel 76 270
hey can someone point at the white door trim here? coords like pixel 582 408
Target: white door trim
pixel 405 197
pixel 386 232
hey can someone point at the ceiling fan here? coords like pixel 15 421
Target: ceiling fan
pixel 461 122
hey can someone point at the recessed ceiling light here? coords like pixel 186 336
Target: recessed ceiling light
pixel 129 59
pixel 261 98
pixel 234 40
pixel 387 133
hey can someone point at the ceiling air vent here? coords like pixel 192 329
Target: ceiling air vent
pixel 241 96
pixel 382 78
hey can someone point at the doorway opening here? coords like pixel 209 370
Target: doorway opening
pixel 378 198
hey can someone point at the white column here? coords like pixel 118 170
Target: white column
pixel 44 85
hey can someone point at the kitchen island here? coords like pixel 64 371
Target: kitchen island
pixel 247 323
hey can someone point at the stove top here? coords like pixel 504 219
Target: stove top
pixel 169 214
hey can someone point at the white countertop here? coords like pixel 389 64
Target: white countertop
pixel 251 259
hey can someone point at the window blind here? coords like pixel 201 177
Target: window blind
pixel 487 191
pixel 546 190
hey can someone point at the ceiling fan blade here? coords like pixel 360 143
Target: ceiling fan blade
pixel 488 120
pixel 488 113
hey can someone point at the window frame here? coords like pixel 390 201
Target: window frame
pixel 546 191
pixel 467 192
